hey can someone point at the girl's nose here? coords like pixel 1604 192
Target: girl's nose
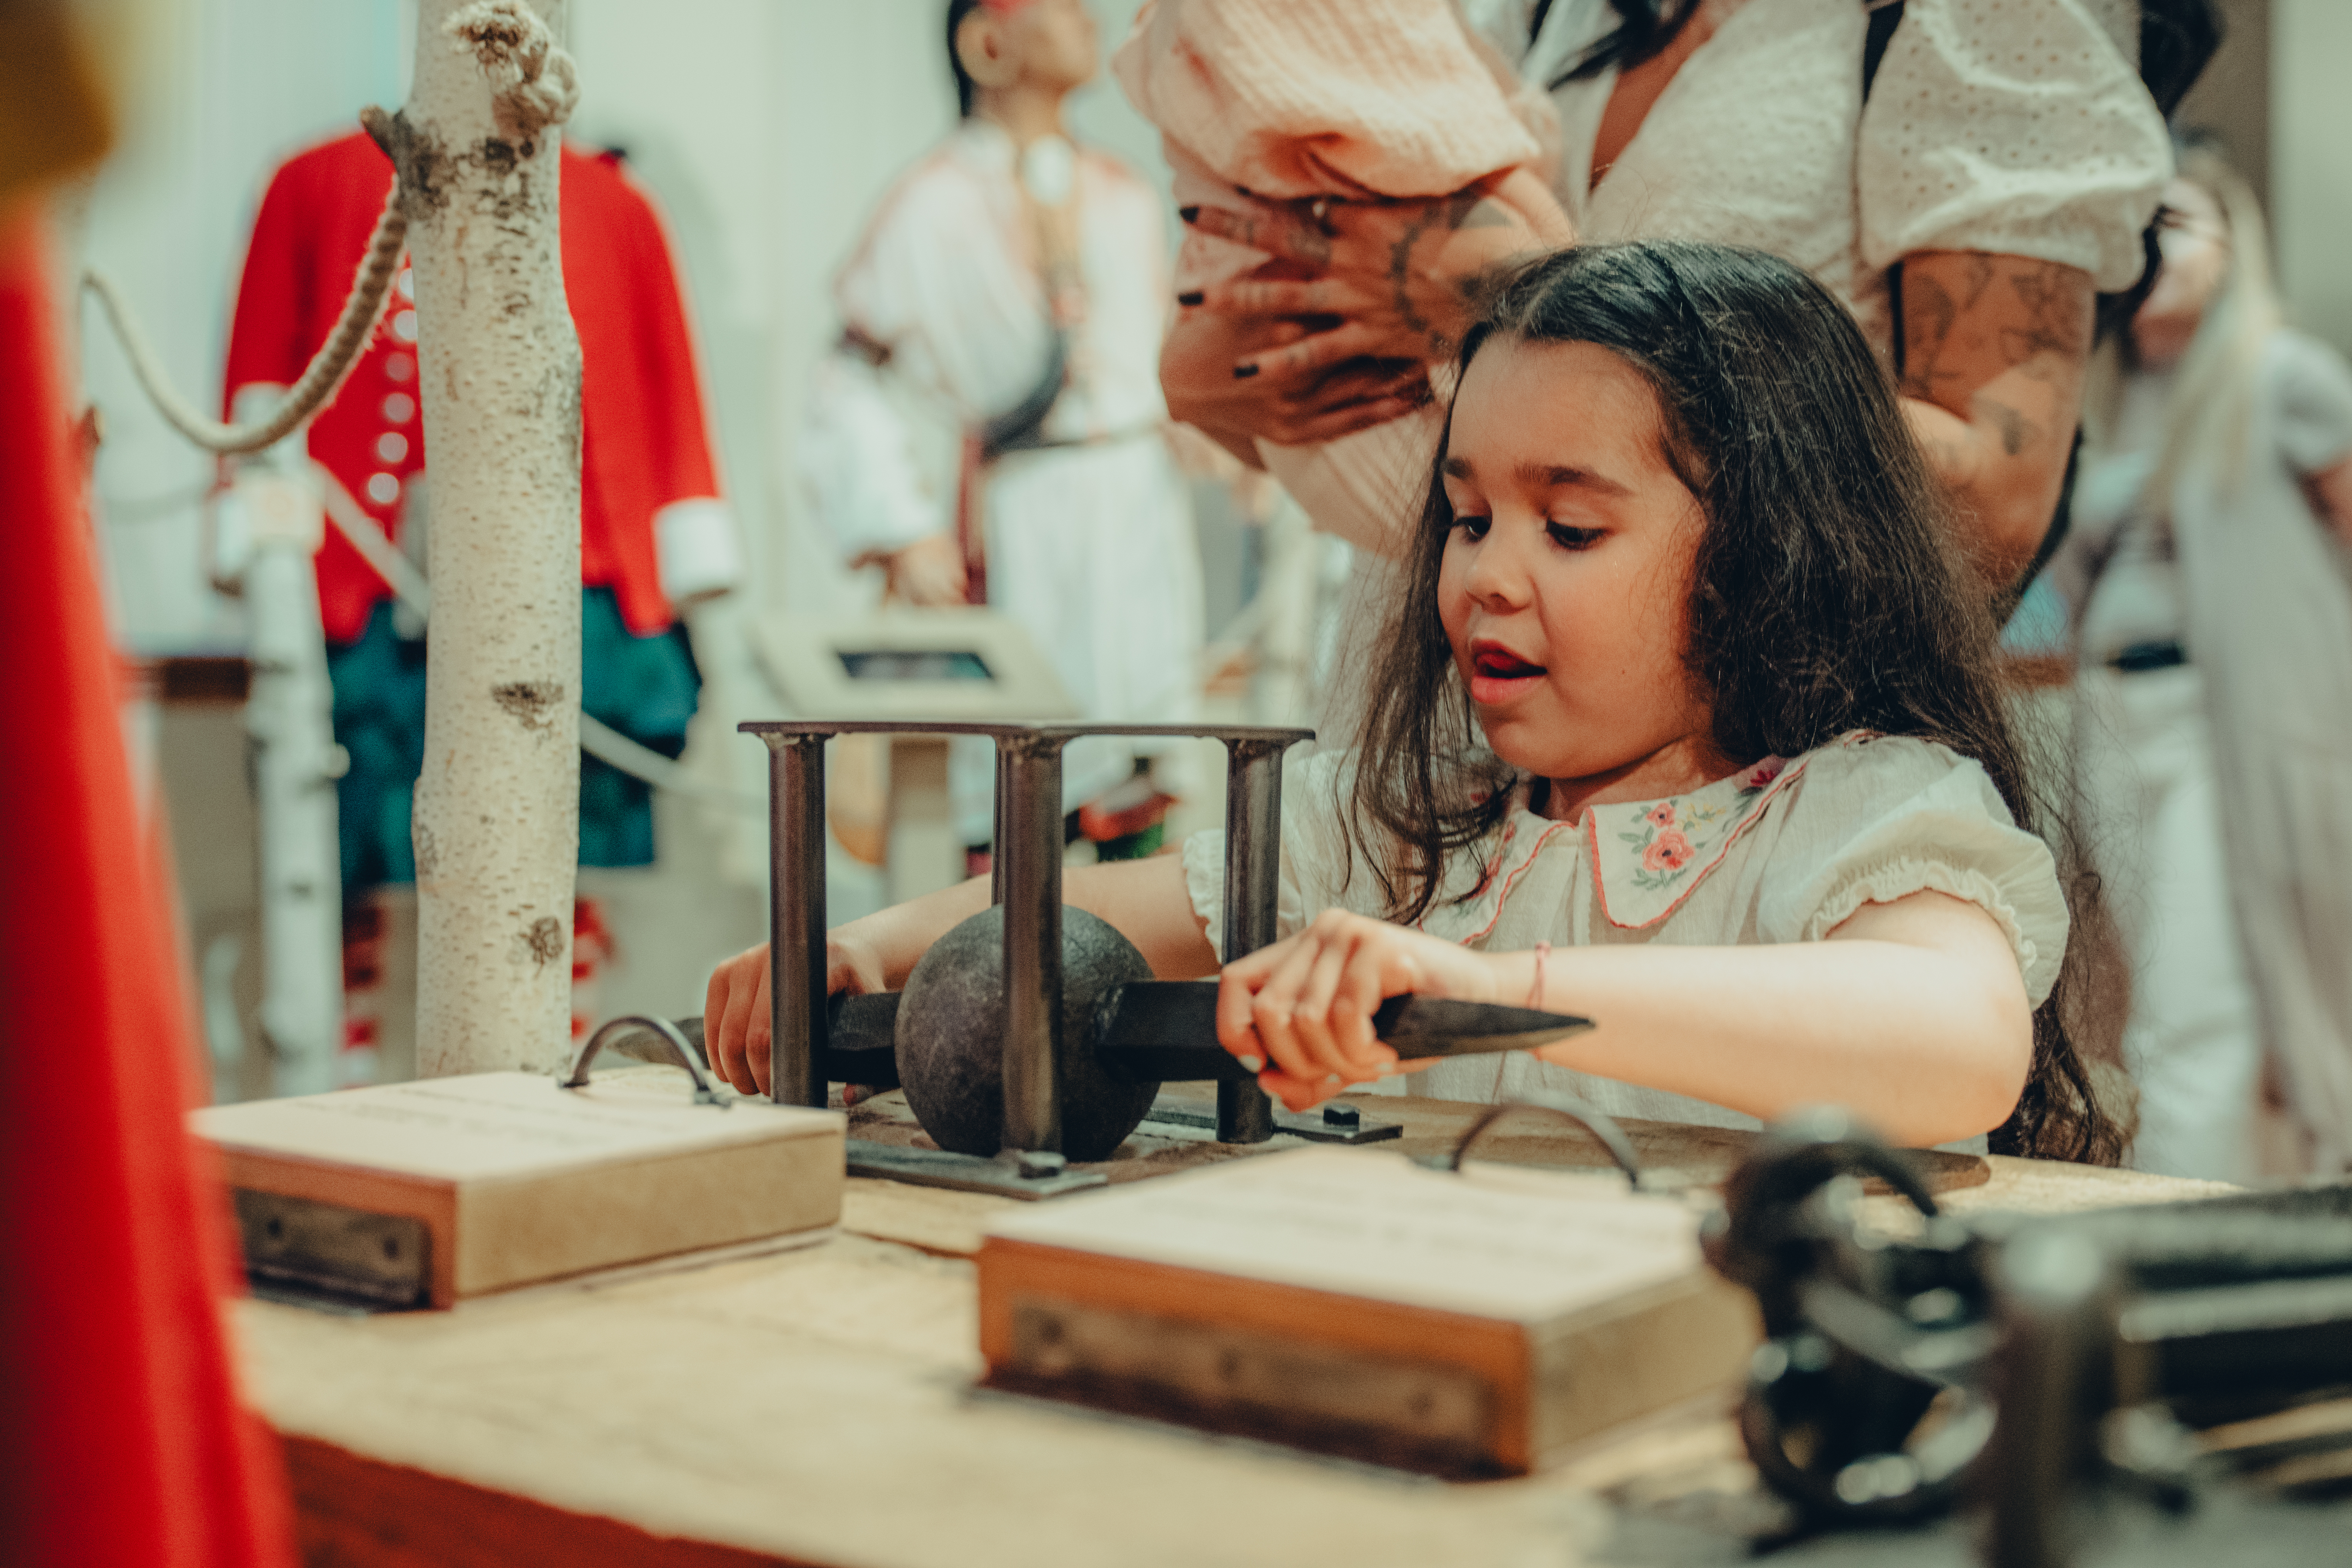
pixel 1498 576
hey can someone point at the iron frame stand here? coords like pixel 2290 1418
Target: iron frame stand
pixel 1027 879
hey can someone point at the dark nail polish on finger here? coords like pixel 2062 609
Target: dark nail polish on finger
pixel 1243 371
pixel 1189 297
pixel 1189 214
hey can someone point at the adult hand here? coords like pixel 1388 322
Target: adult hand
pixel 736 1025
pixel 1290 409
pixel 929 572
pixel 1303 1007
pixel 1400 279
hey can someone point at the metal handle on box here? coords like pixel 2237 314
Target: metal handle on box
pixel 661 1030
pixel 1592 1120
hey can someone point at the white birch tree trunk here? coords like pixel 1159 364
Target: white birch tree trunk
pixel 497 821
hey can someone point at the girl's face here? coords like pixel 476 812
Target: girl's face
pixel 1564 585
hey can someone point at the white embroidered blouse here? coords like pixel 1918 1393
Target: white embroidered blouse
pixel 1783 852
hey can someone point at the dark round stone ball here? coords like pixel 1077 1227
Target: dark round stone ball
pixel 952 1027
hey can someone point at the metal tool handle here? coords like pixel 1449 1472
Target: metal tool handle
pixel 1253 895
pixel 661 1030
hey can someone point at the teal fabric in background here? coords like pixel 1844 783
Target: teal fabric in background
pixel 647 687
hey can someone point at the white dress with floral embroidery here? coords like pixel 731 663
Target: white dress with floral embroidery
pixel 1782 852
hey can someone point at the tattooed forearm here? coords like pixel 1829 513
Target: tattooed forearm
pixel 1993 357
pixel 2057 314
pixel 1968 318
pixel 2017 432
pixel 1929 312
pixel 1457 211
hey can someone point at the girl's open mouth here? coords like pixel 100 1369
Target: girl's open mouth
pixel 1498 676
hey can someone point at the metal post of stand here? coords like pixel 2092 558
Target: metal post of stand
pixel 996 834
pixel 1028 875
pixel 1253 894
pixel 796 989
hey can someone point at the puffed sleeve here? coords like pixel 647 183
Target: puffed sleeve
pixel 1875 820
pixel 2315 403
pixel 2017 127
pixel 1315 863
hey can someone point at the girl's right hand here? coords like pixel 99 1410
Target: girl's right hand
pixel 1299 1012
pixel 736 1025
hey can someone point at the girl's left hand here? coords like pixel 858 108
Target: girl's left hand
pixel 1303 1007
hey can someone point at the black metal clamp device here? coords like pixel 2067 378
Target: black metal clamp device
pixel 2025 1363
pixel 1027 884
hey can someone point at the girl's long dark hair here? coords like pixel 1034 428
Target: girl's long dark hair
pixel 1826 594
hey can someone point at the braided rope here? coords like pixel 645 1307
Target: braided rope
pixel 317 383
pixel 534 84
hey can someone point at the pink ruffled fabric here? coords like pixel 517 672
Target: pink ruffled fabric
pixel 1338 97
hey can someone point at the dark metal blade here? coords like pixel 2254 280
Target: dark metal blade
pixel 1167 1030
pixel 862 1047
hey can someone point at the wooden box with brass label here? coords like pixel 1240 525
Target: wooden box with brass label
pixel 1353 1301
pixel 406 1195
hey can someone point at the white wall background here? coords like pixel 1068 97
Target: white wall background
pixel 765 128
pixel 2311 163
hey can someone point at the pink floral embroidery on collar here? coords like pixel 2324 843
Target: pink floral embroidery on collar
pixel 1647 857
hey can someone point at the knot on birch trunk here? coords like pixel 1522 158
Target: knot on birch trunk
pixel 532 83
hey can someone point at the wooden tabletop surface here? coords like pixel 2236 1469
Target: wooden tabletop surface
pixel 816 1405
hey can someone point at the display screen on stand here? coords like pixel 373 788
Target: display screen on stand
pixel 914 664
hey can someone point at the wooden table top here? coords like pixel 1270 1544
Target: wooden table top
pixel 816 1405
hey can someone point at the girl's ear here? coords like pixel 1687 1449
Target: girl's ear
pixel 980 46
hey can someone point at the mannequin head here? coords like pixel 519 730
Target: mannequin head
pixel 1034 48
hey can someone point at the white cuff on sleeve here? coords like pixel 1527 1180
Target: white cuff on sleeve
pixel 699 551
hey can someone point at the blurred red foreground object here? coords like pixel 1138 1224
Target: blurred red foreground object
pixel 124 1440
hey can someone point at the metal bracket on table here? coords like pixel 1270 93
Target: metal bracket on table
pixel 1335 1123
pixel 1027 881
pixel 323 1255
pixel 1030 1174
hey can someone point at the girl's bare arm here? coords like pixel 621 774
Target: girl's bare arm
pixel 1911 1013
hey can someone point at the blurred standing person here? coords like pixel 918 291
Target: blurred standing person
pixel 991 427
pixel 2213 570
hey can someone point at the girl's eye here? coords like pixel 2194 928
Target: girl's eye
pixel 1570 538
pixel 1473 526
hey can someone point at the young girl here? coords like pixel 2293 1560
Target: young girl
pixel 1747 795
